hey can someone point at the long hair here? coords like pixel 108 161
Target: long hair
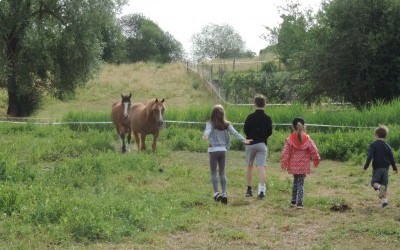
pixel 218 118
pixel 298 125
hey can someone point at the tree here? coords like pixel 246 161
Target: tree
pixel 357 51
pixel 348 51
pixel 146 41
pixel 49 45
pixel 218 42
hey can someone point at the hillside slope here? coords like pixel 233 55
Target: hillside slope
pixel 144 80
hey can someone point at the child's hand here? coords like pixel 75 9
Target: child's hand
pixel 247 141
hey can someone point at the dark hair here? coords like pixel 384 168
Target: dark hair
pixel 259 100
pixel 297 120
pixel 218 118
pixel 298 125
pixel 381 131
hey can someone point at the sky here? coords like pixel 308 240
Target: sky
pixel 184 18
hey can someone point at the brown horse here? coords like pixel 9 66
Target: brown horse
pixel 147 118
pixel 120 118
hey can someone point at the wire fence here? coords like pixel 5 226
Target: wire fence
pixel 46 121
pixel 213 72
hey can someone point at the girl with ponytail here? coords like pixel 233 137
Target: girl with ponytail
pixel 297 152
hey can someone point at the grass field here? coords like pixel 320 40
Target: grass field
pixel 62 187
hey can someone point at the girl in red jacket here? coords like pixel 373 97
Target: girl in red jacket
pixel 299 149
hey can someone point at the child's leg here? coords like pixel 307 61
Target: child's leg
pixel 300 189
pixel 249 175
pixel 261 179
pixel 294 188
pixel 221 169
pixel 261 162
pixel 376 185
pixel 213 170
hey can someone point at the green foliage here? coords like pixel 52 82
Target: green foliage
pixel 218 42
pixel 83 121
pixel 146 41
pixel 348 51
pixel 50 46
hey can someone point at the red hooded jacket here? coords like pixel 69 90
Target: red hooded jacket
pixel 296 155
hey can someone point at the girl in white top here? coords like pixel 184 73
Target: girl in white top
pixel 217 133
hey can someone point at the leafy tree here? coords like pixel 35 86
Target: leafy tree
pixel 357 51
pixel 349 51
pixel 49 46
pixel 218 42
pixel 146 41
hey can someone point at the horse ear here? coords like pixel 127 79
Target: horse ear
pixel 163 100
pixel 122 96
pixel 130 95
pixel 156 100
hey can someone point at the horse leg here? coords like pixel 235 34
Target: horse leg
pixel 128 141
pixel 154 145
pixel 143 141
pixel 123 146
pixel 137 139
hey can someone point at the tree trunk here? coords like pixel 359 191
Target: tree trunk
pixel 12 109
pixel 13 106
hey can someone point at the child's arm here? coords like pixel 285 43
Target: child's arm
pixel 285 156
pixel 392 162
pixel 369 157
pixel 315 154
pixel 207 131
pixel 238 136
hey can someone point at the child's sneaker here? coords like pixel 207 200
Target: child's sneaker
pixel 217 196
pixel 249 193
pixel 224 198
pixel 382 191
pixel 261 195
pixel 300 206
pixel 384 204
pixel 293 204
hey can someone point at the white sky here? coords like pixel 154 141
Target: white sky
pixel 183 18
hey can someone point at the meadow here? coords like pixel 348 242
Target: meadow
pixel 69 187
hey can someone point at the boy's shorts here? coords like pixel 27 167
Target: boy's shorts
pixel 381 176
pixel 257 152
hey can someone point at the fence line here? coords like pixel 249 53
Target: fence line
pixel 177 122
pixel 206 75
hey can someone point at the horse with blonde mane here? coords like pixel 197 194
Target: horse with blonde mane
pixel 120 118
pixel 147 118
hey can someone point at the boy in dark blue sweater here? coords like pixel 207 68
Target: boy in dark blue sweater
pixel 382 157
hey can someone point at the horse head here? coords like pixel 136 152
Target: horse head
pixel 157 111
pixel 126 103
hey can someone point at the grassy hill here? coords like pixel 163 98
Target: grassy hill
pixel 144 80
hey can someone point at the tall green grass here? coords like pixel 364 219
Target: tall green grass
pixel 336 143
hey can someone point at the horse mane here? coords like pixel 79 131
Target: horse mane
pixel 148 106
pixel 115 103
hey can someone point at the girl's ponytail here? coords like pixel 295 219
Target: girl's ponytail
pixel 298 125
pixel 299 130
